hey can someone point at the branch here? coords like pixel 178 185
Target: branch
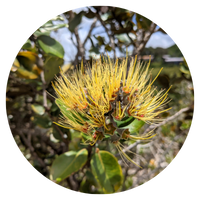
pixel 156 126
pixel 11 77
pixel 90 31
pixel 133 43
pixel 109 35
pixel 167 120
pixel 27 142
pixel 44 90
pixel 144 38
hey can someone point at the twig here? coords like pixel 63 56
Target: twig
pixel 112 43
pixel 156 126
pixel 44 90
pixel 143 38
pixel 28 144
pixel 166 120
pixel 80 47
pixel 90 31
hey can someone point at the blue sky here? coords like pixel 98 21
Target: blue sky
pixel 63 35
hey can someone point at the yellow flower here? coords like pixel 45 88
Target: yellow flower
pixel 94 99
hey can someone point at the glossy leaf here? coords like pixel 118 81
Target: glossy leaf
pixel 50 46
pixel 68 163
pixel 23 73
pixel 38 33
pixel 135 126
pixel 51 67
pixel 29 59
pixel 107 171
pixel 38 109
pixel 124 122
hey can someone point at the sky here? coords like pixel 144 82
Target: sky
pixel 63 35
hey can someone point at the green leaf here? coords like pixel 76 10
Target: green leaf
pixel 23 73
pixel 107 171
pixel 86 137
pixel 68 163
pixel 38 33
pixel 184 69
pixel 56 134
pixel 38 109
pixel 42 121
pixel 67 113
pixel 124 122
pixel 64 110
pixel 54 107
pixel 75 21
pixel 108 47
pixel 106 136
pixel 85 186
pixel 143 22
pixel 100 39
pixel 89 14
pixel 135 126
pixel 50 46
pixel 51 67
pixel 47 28
pixel 94 50
pixel 90 177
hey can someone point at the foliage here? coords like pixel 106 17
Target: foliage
pixel 60 154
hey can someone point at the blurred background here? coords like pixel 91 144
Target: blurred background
pixel 85 34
